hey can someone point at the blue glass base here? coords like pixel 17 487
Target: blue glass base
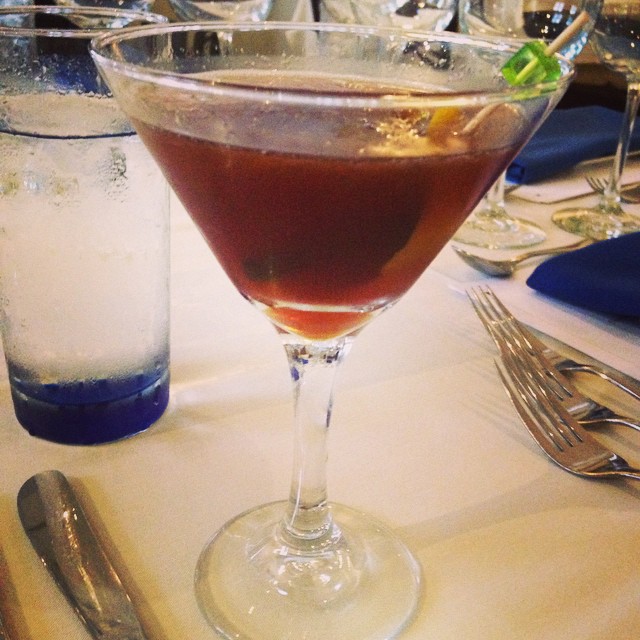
pixel 90 412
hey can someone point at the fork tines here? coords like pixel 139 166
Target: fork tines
pixel 511 337
pixel 597 184
pixel 532 396
pixel 557 433
pixel 535 379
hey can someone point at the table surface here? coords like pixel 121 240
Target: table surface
pixel 423 437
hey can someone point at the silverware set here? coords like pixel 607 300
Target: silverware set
pixel 551 408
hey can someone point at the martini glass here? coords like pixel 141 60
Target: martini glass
pixel 616 41
pixel 492 226
pixel 326 166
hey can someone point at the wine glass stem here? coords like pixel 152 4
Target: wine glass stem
pixel 611 195
pixel 494 200
pixel 313 370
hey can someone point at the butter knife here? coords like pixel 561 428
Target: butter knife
pixel 586 364
pixel 62 536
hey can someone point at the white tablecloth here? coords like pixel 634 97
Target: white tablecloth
pixel 423 437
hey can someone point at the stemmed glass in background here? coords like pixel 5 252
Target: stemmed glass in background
pixel 432 15
pixel 317 161
pixel 491 226
pixel 129 5
pixel 616 41
pixel 221 9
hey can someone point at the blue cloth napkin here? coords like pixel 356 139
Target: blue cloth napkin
pixel 602 277
pixel 567 137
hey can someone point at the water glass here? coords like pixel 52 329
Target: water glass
pixel 84 236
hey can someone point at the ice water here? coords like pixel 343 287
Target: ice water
pixel 83 270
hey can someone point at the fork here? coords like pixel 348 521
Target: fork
pixel 555 430
pixel 511 336
pixel 629 194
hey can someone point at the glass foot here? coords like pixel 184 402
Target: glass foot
pixel 363 585
pixel 596 223
pixel 498 232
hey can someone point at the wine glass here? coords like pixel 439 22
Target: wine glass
pixel 221 9
pixel 491 226
pixel 616 41
pixel 317 161
pixel 432 15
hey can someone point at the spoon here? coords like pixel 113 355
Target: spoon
pixel 505 268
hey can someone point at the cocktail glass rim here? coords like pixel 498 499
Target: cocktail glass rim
pixel 505 94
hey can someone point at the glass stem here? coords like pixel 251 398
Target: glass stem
pixel 494 200
pixel 308 524
pixel 611 195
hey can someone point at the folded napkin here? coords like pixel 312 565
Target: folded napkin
pixel 567 137
pixel 603 277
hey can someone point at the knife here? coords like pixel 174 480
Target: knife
pixel 62 536
pixel 581 363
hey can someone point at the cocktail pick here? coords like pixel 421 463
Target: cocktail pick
pixel 535 61
pixel 532 63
